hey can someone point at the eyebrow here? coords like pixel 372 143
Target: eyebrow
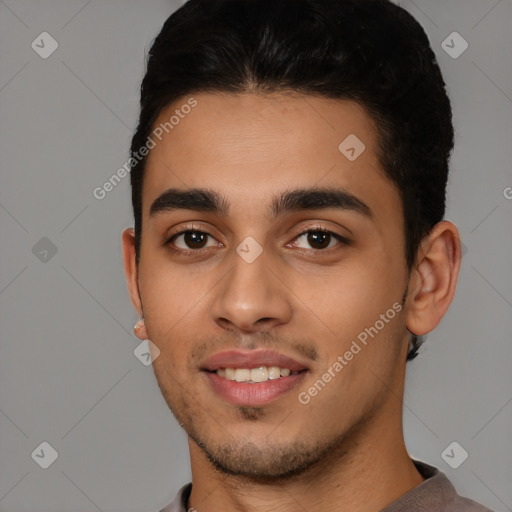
pixel 207 200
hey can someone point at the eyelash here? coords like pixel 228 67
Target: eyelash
pixel 315 229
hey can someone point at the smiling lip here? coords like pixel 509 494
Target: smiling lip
pixel 247 393
pixel 253 395
pixel 251 359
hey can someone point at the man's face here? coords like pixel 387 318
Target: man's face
pixel 211 300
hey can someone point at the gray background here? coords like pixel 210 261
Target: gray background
pixel 68 374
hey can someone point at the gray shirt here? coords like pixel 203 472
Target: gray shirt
pixel 435 494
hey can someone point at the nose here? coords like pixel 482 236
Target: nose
pixel 252 297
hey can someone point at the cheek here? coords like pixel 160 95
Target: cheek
pixel 171 316
pixel 356 377
pixel 171 297
pixel 354 334
pixel 348 300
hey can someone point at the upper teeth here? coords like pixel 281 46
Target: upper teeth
pixel 260 374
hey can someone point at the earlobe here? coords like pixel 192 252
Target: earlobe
pixel 434 278
pixel 139 330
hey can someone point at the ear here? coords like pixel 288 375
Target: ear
pixel 433 278
pixel 132 278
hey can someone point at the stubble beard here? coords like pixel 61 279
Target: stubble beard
pixel 275 462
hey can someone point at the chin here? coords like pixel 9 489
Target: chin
pixel 266 462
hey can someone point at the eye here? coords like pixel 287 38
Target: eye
pixel 320 238
pixel 193 240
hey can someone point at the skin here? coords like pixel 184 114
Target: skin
pixel 294 298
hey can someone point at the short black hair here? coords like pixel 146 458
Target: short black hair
pixel 370 51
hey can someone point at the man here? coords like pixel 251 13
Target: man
pixel 288 186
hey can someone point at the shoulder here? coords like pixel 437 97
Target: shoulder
pixel 437 484
pixel 179 504
pixel 435 494
pixel 461 504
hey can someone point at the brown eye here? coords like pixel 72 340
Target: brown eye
pixel 193 240
pixel 320 239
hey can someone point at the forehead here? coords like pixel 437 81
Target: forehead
pixel 250 146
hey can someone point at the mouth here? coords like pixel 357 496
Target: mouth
pixel 254 375
pixel 253 378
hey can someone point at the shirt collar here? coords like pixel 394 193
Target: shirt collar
pixel 435 491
